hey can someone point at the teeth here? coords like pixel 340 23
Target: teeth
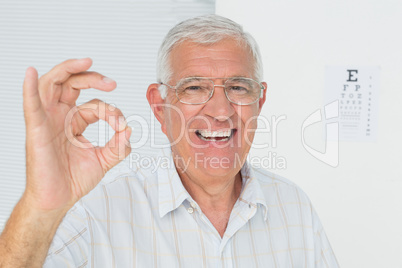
pixel 215 134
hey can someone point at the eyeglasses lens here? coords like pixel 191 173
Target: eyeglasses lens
pixel 197 90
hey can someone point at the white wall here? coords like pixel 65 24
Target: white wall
pixel 359 201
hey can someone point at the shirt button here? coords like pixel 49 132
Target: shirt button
pixel 190 210
pixel 192 204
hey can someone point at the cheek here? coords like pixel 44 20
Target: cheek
pixel 176 121
pixel 173 124
pixel 249 123
pixel 249 117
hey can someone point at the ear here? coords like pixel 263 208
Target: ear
pixel 157 104
pixel 264 95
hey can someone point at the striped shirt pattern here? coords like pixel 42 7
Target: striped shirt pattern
pixel 146 218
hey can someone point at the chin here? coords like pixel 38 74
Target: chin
pixel 217 163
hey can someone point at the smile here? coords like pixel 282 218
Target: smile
pixel 217 135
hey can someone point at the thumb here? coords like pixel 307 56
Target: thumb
pixel 116 149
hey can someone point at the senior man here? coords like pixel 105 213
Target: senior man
pixel 207 208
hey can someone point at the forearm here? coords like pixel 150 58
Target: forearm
pixel 27 235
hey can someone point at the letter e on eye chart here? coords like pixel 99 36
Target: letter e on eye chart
pixel 357 90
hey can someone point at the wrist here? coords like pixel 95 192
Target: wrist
pixel 40 215
pixel 28 234
pixel 50 204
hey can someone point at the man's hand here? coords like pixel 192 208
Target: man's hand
pixel 62 166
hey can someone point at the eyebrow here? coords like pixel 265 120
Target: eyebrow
pixel 207 77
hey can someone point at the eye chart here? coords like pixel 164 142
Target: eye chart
pixel 357 92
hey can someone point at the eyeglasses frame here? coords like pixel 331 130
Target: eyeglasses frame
pixel 213 90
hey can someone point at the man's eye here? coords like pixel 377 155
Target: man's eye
pixel 192 88
pixel 238 89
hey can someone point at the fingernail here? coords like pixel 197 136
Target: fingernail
pixel 107 80
pixel 122 123
pixel 111 107
pixel 84 59
pixel 128 133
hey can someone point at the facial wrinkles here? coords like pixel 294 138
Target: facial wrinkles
pixel 213 61
pixel 207 66
pixel 218 63
pixel 222 60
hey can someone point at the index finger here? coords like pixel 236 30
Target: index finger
pixel 61 72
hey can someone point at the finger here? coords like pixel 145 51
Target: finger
pixel 119 146
pixel 115 150
pixel 61 72
pixel 49 83
pixel 71 88
pixel 32 103
pixel 94 110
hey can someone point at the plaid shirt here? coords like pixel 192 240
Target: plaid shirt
pixel 146 218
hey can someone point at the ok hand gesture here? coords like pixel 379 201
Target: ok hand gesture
pixel 62 166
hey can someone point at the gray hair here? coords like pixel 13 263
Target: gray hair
pixel 207 29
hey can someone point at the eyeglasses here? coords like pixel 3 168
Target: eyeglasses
pixel 199 90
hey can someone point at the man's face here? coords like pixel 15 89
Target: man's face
pixel 203 157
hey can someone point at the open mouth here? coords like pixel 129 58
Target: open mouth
pixel 217 135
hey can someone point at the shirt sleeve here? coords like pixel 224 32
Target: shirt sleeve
pixel 71 246
pixel 324 255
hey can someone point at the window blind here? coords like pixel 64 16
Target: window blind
pixel 122 38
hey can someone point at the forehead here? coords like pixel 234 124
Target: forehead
pixel 226 58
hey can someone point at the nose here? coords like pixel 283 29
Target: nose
pixel 219 107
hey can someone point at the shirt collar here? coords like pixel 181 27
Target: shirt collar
pixel 172 192
pixel 252 193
